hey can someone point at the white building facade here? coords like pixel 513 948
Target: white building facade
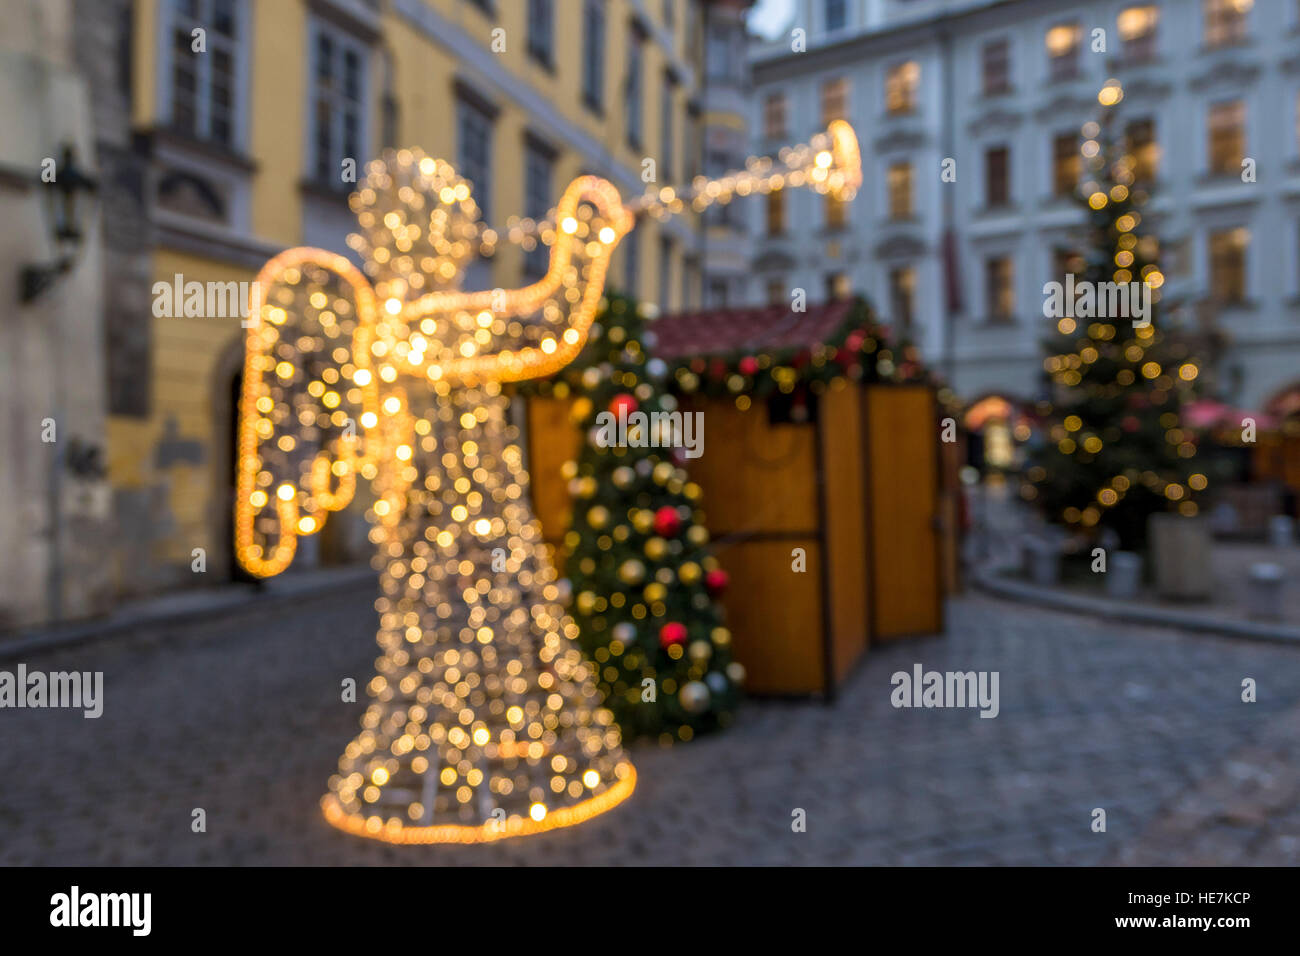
pixel 995 92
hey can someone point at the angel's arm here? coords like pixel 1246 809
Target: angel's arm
pixel 508 335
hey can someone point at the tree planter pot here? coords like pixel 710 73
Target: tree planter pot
pixel 1123 575
pixel 1180 556
pixel 1042 557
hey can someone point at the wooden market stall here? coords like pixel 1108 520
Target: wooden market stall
pixel 826 504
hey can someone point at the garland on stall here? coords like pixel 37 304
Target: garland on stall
pixel 860 350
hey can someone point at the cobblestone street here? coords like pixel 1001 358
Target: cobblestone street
pixel 241 716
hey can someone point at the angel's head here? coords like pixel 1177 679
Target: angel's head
pixel 419 224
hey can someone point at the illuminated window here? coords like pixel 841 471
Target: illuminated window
pixel 1137 31
pixel 1227 137
pixel 1063 51
pixel 775 213
pixel 1066 262
pixel 837 216
pixel 774 116
pixel 205 86
pixel 776 292
pixel 997 186
pixel 1066 163
pixel 999 289
pixel 837 287
pixel 900 191
pixel 835 99
pixel 1228 265
pixel 902 288
pixel 1140 142
pixel 1224 21
pixel 900 87
pixel 996 66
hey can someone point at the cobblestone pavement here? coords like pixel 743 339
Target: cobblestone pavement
pixel 241 716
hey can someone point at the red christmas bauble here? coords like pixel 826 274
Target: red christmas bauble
pixel 622 405
pixel 672 633
pixel 748 365
pixel 667 522
pixel 717 580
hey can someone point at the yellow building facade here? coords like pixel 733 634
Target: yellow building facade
pixel 258 116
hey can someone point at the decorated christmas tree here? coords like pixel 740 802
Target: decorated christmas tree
pixel 644 583
pixel 1115 449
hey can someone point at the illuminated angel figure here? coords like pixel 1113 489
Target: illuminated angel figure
pixel 485 721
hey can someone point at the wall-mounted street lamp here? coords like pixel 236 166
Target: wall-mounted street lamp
pixel 66 213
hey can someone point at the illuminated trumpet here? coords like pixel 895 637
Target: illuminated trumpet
pixel 830 163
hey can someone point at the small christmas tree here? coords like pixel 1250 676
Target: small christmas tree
pixel 642 578
pixel 1115 450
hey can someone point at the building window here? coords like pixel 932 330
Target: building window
pixel 1225 21
pixel 995 66
pixel 474 150
pixel 667 141
pixel 338 98
pixel 837 213
pixel 670 15
pixel 1066 164
pixel 776 292
pixel 1227 137
pixel 1228 265
pixel 1137 31
pixel 900 190
pixel 632 85
pixel 1067 262
pixel 721 60
pixel 204 86
pixel 718 293
pixel 631 246
pixel 997 179
pixel 665 271
pixel 999 289
pixel 1140 143
pixel 775 213
pixel 593 54
pixel 774 117
pixel 835 100
pixel 1063 42
pixel 541 30
pixel 902 288
pixel 900 87
pixel 836 15
pixel 837 287
pixel 539 167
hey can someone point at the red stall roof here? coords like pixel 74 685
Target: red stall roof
pixel 770 328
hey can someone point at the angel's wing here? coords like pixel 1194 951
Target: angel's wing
pixel 508 335
pixel 309 400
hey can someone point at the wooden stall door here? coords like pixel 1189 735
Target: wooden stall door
pixel 903 503
pixel 551 440
pixel 760 503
